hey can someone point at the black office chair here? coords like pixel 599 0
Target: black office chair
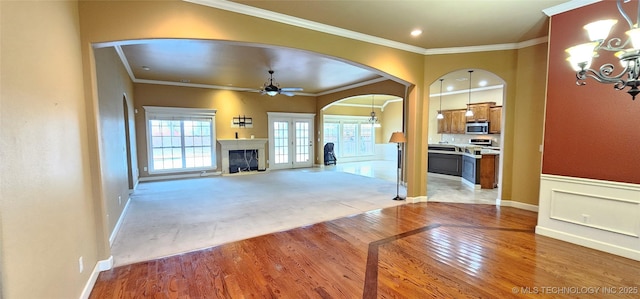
pixel 329 156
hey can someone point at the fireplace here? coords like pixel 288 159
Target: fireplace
pixel 243 160
pixel 251 151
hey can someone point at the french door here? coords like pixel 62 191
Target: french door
pixel 290 140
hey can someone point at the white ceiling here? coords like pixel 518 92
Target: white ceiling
pixel 448 26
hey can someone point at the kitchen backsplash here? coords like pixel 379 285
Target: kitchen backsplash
pixel 464 139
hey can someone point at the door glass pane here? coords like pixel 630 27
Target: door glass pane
pixel 302 141
pixel 281 141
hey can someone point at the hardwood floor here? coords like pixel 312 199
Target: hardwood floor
pixel 434 250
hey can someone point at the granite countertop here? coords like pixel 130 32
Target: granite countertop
pixel 489 152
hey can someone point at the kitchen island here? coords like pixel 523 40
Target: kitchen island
pixel 474 165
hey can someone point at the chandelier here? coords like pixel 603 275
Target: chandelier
pixel 581 56
pixel 373 119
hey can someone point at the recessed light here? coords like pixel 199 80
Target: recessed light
pixel 449 88
pixel 146 68
pixel 482 83
pixel 416 32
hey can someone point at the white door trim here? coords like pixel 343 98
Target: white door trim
pixel 291 118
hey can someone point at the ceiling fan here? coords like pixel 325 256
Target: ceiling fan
pixel 272 89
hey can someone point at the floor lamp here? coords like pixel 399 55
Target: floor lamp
pixel 398 137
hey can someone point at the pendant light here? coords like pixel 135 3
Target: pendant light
pixel 469 112
pixel 440 116
pixel 373 120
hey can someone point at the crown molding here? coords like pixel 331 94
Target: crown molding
pixel 567 6
pixel 298 22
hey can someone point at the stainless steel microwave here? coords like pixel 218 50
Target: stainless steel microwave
pixel 477 128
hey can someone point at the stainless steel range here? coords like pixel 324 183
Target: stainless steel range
pixel 481 142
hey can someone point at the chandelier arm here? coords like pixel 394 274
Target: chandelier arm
pixel 624 14
pixel 613 45
pixel 603 75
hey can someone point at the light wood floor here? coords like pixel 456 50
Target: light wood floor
pixel 434 250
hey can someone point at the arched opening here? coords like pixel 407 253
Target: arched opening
pixel 465 151
pixel 359 127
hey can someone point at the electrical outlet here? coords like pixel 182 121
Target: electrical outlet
pixel 145 168
pixel 81 264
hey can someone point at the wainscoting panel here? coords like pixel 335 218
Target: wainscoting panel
pixel 597 214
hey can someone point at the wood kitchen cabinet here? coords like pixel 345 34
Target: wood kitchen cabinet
pixel 454 122
pixel 495 119
pixel 444 125
pixel 458 122
pixel 480 111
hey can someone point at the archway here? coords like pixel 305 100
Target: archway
pixel 479 168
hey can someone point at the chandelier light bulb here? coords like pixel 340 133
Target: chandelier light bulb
pixel 580 56
pixel 440 115
pixel 599 30
pixel 634 35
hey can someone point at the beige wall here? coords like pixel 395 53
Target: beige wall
pixel 529 123
pixel 46 197
pixel 392 120
pixel 227 103
pixel 114 86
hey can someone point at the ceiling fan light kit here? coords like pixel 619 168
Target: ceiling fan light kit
pixel 581 56
pixel 273 89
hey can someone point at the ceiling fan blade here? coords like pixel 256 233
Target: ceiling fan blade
pixel 291 89
pixel 287 93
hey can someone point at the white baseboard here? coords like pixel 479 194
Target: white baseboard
pixel 116 229
pixel 177 176
pixel 589 243
pixel 519 205
pixel 103 265
pixel 598 214
pixel 417 199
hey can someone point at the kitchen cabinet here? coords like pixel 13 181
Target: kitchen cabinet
pixel 489 171
pixel 480 111
pixel 444 124
pixel 454 122
pixel 495 119
pixel 471 169
pixel 458 122
pixel 449 164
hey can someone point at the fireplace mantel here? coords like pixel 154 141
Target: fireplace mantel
pixel 227 145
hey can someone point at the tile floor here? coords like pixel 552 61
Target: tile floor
pixel 440 188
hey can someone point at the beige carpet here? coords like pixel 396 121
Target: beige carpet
pixel 170 217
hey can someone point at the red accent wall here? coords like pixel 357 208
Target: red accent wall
pixel 591 131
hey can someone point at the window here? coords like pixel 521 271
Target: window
pixel 352 136
pixel 180 139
